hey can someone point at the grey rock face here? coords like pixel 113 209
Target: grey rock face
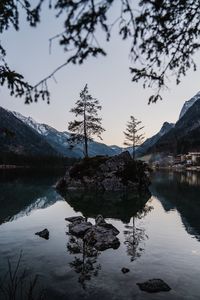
pixel 77 219
pixel 43 234
pixel 100 220
pixel 154 286
pixel 112 184
pixel 104 174
pixel 101 236
pixel 79 228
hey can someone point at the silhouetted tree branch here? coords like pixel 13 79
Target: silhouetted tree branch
pixel 164 37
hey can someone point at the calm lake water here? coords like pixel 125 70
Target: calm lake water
pixel 159 238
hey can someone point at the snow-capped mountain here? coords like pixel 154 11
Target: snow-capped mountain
pixel 40 128
pixel 18 138
pixel 188 104
pixel 59 140
pixel 39 203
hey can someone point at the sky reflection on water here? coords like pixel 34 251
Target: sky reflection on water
pixel 159 238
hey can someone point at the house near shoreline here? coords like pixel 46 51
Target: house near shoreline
pixel 190 160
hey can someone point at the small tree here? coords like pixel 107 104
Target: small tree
pixel 132 136
pixel 89 124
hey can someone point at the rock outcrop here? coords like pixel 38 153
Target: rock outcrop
pixel 125 270
pixel 43 234
pixel 154 286
pixel 116 173
pixel 101 236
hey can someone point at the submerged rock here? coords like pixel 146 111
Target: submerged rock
pixel 79 229
pixel 75 219
pixel 125 270
pixel 99 220
pixel 43 234
pixel 154 286
pixel 101 236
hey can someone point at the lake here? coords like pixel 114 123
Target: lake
pixel 159 238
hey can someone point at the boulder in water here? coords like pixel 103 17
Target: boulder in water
pixel 43 234
pixel 154 286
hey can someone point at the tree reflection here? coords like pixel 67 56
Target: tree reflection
pixel 85 260
pixel 122 206
pixel 134 236
pixel 115 205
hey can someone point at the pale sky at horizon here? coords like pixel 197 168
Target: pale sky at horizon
pixel 108 79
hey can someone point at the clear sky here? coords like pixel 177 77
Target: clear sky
pixel 108 79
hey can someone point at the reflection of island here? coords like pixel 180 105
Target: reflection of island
pixel 114 205
pixel 85 259
pixel 180 191
pixel 20 194
pixel 135 236
pixel 88 240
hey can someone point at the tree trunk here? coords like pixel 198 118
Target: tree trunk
pixel 133 152
pixel 85 138
pixel 133 156
pixel 86 145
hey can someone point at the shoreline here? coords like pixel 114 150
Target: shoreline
pixel 11 167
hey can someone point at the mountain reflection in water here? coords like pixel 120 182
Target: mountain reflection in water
pixel 180 191
pixel 150 227
pixel 22 191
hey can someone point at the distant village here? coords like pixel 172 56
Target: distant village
pixel 190 162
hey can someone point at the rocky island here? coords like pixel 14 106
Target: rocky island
pixel 103 173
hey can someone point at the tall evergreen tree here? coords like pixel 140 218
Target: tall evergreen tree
pixel 89 124
pixel 133 137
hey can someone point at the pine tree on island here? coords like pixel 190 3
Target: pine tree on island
pixel 88 123
pixel 133 137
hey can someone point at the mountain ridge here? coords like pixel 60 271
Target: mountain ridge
pixel 59 140
pixel 171 138
pixel 16 137
pixel 184 136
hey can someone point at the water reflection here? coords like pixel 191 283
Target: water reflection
pixel 19 195
pixel 69 269
pixel 135 236
pixel 121 206
pixel 192 178
pixel 85 259
pixel 180 191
